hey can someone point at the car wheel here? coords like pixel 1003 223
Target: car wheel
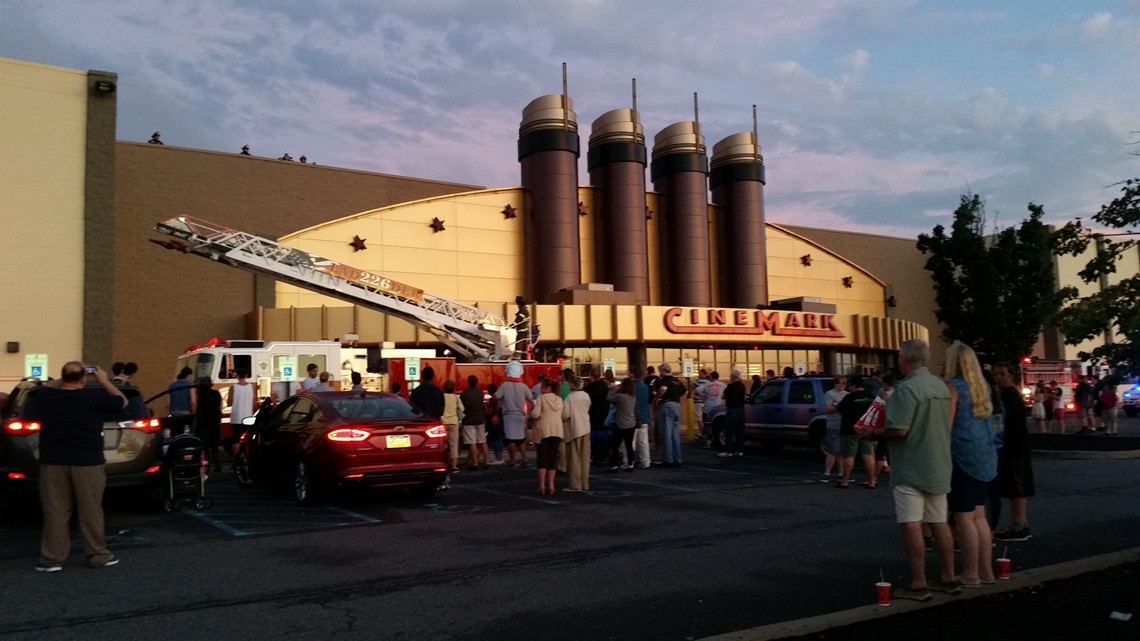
pixel 303 487
pixel 426 490
pixel 241 469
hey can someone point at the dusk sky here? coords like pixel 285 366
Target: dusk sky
pixel 873 115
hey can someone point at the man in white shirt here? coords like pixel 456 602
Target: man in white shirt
pixel 313 379
pixel 712 393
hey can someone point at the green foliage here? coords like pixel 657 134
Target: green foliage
pixel 994 294
pixel 1114 308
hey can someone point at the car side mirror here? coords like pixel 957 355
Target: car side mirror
pixel 249 420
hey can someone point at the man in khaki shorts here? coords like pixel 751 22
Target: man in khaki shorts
pixel 919 415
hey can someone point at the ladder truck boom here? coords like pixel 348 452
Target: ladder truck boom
pixel 466 329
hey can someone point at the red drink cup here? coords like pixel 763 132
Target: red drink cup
pixel 1003 567
pixel 883 590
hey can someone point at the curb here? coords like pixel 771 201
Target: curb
pixel 1086 455
pixel 1023 579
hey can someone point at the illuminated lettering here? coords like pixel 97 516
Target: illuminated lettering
pixel 695 316
pixel 810 321
pixel 716 317
pixel 792 320
pixel 740 317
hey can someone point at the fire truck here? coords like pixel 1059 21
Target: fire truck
pixel 480 336
pixel 1061 373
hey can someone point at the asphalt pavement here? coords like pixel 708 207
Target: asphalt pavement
pixel 715 547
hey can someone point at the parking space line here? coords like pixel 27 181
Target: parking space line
pixel 355 515
pixel 221 525
pixel 621 480
pixel 500 493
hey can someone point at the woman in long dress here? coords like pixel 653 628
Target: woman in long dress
pixel 1037 412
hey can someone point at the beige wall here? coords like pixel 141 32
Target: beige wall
pixel 897 263
pixel 1068 268
pixel 43 132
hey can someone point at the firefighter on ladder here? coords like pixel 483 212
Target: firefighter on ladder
pixel 522 329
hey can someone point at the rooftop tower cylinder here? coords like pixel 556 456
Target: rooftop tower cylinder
pixel 616 162
pixel 737 182
pixel 679 170
pixel 548 153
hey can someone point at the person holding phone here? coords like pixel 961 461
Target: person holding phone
pixel 72 475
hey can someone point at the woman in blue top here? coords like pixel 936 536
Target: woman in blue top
pixel 975 463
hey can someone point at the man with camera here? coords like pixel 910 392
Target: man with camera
pixel 72 476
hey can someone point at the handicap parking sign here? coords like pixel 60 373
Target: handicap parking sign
pixel 287 372
pixel 35 365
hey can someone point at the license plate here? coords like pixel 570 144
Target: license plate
pixel 398 440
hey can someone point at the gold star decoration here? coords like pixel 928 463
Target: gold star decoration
pixel 581 208
pixel 892 302
pixel 848 281
pixel 805 260
pixel 358 244
pixel 510 212
pixel 436 225
pixel 648 213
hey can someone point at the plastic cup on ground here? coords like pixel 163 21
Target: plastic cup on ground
pixel 1003 567
pixel 883 590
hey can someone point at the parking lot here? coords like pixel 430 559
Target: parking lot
pixel 243 512
pixel 714 546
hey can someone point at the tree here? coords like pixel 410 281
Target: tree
pixel 993 293
pixel 1113 311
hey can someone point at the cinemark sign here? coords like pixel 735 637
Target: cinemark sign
pixel 752 322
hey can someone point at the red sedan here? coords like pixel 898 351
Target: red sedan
pixel 329 440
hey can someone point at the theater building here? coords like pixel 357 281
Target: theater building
pixel 616 270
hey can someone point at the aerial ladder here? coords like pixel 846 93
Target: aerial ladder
pixel 468 330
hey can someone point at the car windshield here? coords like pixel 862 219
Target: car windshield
pixel 373 407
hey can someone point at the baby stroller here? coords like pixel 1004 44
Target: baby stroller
pixel 185 465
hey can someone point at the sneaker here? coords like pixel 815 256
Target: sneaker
pixel 707 445
pixel 108 563
pixel 627 467
pixel 614 468
pixel 912 594
pixel 1013 535
pixel 48 567
pixel 826 478
pixel 738 454
pixel 725 455
pixel 495 463
pixel 928 543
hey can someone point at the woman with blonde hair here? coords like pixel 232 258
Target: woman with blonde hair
pixel 975 462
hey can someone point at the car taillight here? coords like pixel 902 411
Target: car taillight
pixel 16 476
pixel 153 468
pixel 148 425
pixel 348 434
pixel 1070 406
pixel 437 431
pixel 21 428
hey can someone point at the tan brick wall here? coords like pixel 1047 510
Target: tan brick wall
pixel 165 301
pixel 896 262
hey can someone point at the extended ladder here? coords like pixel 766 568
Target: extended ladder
pixel 466 329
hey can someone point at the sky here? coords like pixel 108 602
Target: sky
pixel 873 115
